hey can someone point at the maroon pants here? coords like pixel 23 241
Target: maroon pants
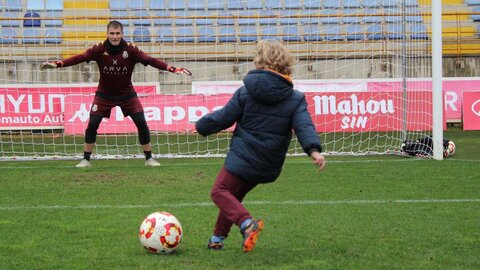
pixel 227 193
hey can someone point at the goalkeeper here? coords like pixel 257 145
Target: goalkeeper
pixel 265 111
pixel 116 60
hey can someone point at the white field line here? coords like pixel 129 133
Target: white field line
pixel 209 204
pixel 307 161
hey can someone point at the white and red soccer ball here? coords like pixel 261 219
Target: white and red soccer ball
pixel 160 232
pixel 449 149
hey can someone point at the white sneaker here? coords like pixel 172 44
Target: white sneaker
pixel 152 162
pixel 83 164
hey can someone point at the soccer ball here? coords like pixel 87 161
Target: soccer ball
pixel 160 232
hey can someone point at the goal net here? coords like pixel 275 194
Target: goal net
pixel 364 66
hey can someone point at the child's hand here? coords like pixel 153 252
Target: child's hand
pixel 318 159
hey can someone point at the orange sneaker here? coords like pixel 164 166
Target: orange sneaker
pixel 250 234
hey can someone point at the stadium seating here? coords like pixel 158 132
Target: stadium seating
pixel 8 36
pixel 395 31
pixel 234 4
pixel 253 4
pixel 331 16
pixel 472 2
pixel 370 16
pixel 475 17
pixel 52 22
pixel 311 33
pixel 30 36
pixel 389 3
pixel 372 3
pixel 11 19
pixel 183 18
pixel 35 5
pixel 352 4
pixel 418 31
pixel 286 17
pixel 206 34
pixel 142 20
pixel 136 5
pixel 118 5
pixel 334 33
pixel 177 5
pixel 292 4
pixel 164 35
pixel 355 32
pixel 248 17
pixel 53 36
pixel 158 4
pixel 163 17
pixel 141 35
pixel 334 4
pixel 227 34
pixel 215 4
pixel 225 18
pixel 204 17
pixel 273 4
pixel 291 33
pixel 310 17
pixel 32 19
pixel 121 16
pixel 267 17
pixel 352 19
pixel 185 34
pixel 13 5
pixel 312 4
pixel 375 32
pixel 196 4
pixel 56 5
pixel 270 33
pixel 248 34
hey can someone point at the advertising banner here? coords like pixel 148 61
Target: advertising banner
pixel 471 110
pixel 331 112
pixel 42 106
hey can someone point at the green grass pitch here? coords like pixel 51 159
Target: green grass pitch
pixel 373 212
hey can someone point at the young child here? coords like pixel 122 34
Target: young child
pixel 265 111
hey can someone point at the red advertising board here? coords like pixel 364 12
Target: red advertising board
pixel 331 112
pixel 42 106
pixel 471 110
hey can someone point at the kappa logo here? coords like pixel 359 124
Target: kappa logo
pixel 94 107
pixel 476 107
pixel 125 54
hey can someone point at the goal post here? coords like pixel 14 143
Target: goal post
pixel 371 73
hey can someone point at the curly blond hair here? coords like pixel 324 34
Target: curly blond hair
pixel 272 54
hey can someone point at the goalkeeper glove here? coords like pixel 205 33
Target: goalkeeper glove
pixel 179 70
pixel 51 65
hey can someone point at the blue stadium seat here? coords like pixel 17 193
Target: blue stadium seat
pixel 225 18
pixel 118 4
pixel 414 15
pixel 54 5
pixel 127 35
pixel 332 4
pixel 475 17
pixel 268 17
pixel 375 32
pixel 30 36
pixel 205 17
pixel 293 4
pixel 35 5
pixel 136 5
pixel 143 19
pixel 164 35
pixel 12 19
pixel 411 3
pixel 177 5
pixel 227 34
pixel 270 33
pixel 206 34
pixel 234 4
pixel 332 16
pixel 472 2
pixel 312 4
pixel 196 4
pixel 248 34
pixel 353 4
pixel 286 17
pixel 215 4
pixel 355 32
pixel 291 33
pixel 31 19
pixel 273 4
pixel 53 36
pixel 53 14
pixel 183 18
pixel 13 5
pixel 389 3
pixel 311 33
pixel 158 4
pixel 372 4
pixel 352 19
pixel 141 35
pixel 395 31
pixel 394 15
pixel 370 15
pixel 162 17
pixel 418 31
pixel 121 16
pixel 253 4
pixel 185 34
pixel 8 36
pixel 310 17
pixel 334 33
pixel 248 19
